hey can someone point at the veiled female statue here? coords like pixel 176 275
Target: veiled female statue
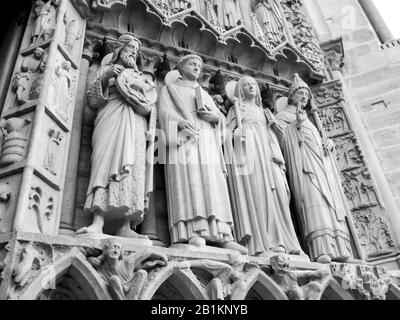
pixel 257 180
pixel 198 199
pixel 314 179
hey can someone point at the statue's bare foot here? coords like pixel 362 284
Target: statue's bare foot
pixel 91 229
pixel 231 245
pixel 325 259
pixel 129 233
pixel 279 249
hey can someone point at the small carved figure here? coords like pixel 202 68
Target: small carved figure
pixel 45 21
pixel 55 140
pixel 62 85
pixel 71 32
pixel 314 178
pixel 288 280
pixel 121 178
pixel 22 80
pixel 125 275
pixel 226 277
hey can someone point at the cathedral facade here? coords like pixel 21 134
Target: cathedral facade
pixel 199 150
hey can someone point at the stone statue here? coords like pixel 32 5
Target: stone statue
pixel 314 179
pixel 197 192
pixel 45 21
pixel 23 79
pixel 226 277
pixel 288 280
pixel 125 275
pixel 61 87
pixel 228 12
pixel 270 18
pixel 121 175
pixel 257 180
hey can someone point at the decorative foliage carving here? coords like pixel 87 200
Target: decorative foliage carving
pixel 359 189
pixel 43 206
pixel 348 152
pixel 334 120
pixel 373 233
pixel 370 281
pixel 331 94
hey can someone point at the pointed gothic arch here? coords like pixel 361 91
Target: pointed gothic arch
pixel 259 286
pixel 332 290
pixel 76 266
pixel 172 282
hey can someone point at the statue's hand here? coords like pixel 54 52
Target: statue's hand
pixel 188 128
pixel 208 116
pixel 113 71
pixel 329 146
pixel 301 116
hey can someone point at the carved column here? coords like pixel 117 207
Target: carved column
pixel 377 22
pixel 37 117
pixel 370 209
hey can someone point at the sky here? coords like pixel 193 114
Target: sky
pixel 390 11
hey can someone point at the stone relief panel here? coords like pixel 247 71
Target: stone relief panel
pixel 348 152
pixel 359 189
pixel 8 195
pixel 373 232
pixel 63 87
pixel 44 20
pixel 55 138
pixel 42 208
pixel 28 78
pixel 14 140
pixel 364 200
pixel 334 120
